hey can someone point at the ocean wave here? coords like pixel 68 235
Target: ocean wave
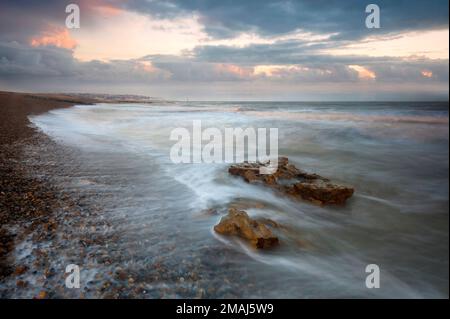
pixel 350 117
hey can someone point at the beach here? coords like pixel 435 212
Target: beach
pixel 92 184
pixel 29 200
pixel 26 202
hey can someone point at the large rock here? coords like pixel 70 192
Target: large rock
pixel 295 182
pixel 321 192
pixel 238 223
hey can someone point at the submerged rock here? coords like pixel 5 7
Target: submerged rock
pixel 322 192
pixel 295 182
pixel 238 223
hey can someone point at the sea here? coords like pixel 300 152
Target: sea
pixel 394 154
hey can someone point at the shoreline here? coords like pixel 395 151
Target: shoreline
pixel 26 202
pixel 23 199
pixel 42 226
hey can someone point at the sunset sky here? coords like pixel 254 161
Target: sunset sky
pixel 225 50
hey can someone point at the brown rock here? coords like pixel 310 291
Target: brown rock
pixel 20 270
pixel 323 192
pixel 42 295
pixel 21 283
pixel 292 181
pixel 121 274
pixel 270 179
pixel 250 176
pixel 282 161
pixel 238 223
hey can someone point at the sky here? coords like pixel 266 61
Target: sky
pixel 308 50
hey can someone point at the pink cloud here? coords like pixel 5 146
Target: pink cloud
pixel 234 70
pixel 363 72
pixel 427 74
pixel 57 36
pixel 106 10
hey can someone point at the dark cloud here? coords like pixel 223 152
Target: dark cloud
pixel 226 18
pixel 19 61
pixel 22 19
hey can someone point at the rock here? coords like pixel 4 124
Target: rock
pixel 282 161
pixel 322 192
pixel 42 295
pixel 245 168
pixel 270 179
pixel 238 223
pixel 200 293
pixel 292 181
pixel 250 176
pixel 20 270
pixel 21 283
pixel 120 273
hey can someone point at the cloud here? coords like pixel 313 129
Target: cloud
pixel 20 20
pixel 226 18
pixel 427 74
pixel 19 61
pixel 55 36
pixel 273 47
pixel 363 72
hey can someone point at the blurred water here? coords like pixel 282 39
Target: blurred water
pixel 394 154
